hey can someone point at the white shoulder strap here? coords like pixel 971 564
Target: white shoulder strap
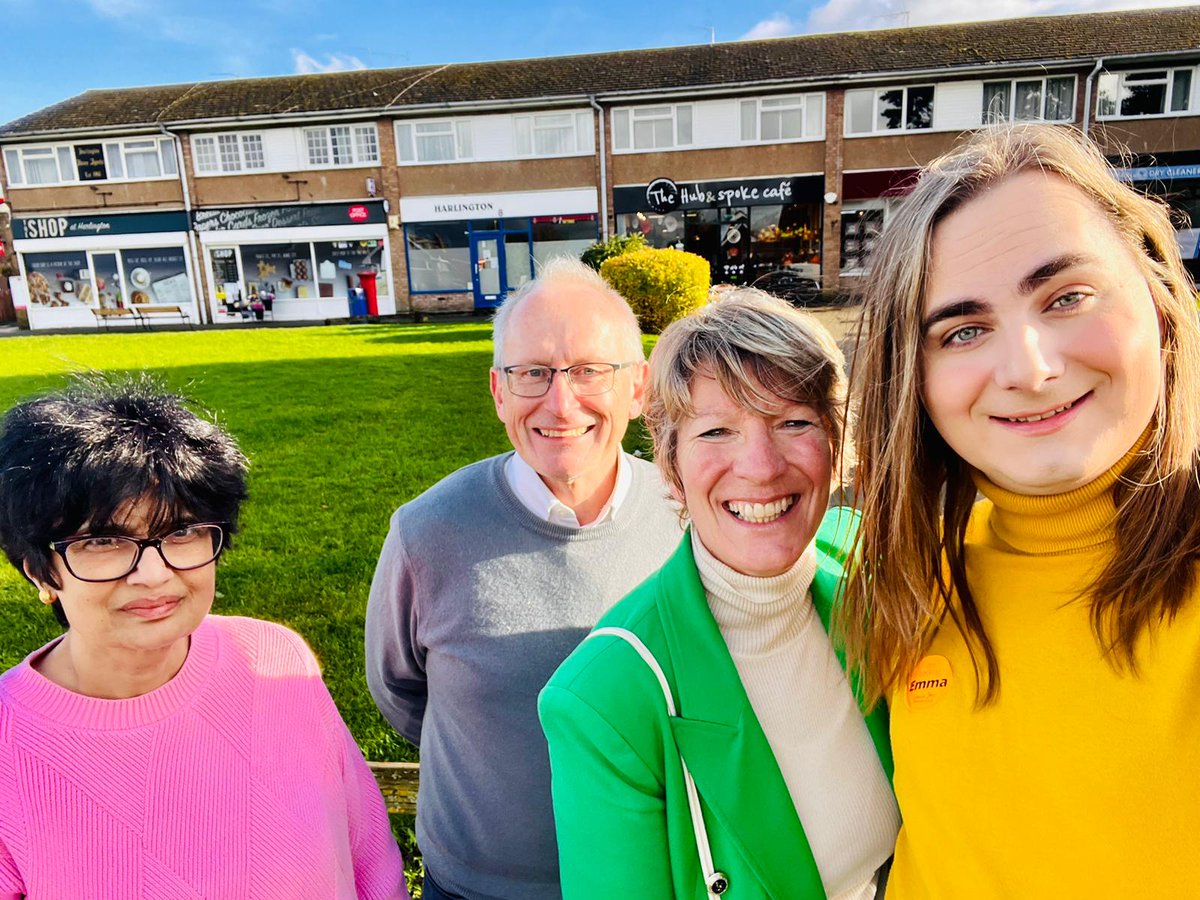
pixel 714 881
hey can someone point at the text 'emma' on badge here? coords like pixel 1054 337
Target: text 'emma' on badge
pixel 929 682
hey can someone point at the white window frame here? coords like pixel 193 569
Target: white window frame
pixel 1108 78
pixel 526 129
pixel 228 153
pixel 116 157
pixel 408 144
pixel 876 92
pixel 1012 98
pixel 341 146
pixel 682 126
pixel 753 112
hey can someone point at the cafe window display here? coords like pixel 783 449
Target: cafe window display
pixel 741 243
pixel 108 279
pixel 302 270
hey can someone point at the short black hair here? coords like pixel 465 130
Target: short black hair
pixel 77 457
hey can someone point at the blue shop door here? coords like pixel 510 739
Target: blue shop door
pixel 487 268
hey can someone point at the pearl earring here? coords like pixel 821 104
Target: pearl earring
pixel 46 596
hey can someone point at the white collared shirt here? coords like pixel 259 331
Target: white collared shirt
pixel 540 500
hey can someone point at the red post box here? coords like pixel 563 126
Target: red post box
pixel 366 280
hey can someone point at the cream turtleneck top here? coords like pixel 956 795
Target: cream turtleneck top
pixel 803 702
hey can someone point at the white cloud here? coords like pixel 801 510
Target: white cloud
pixel 865 15
pixel 777 25
pixel 336 62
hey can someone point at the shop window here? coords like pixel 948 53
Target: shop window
pixel 285 270
pixel 553 134
pixel 652 127
pixel 59 279
pixel 889 109
pixel 792 118
pixel 861 229
pixel 342 145
pixel 156 276
pixel 340 262
pixel 1148 92
pixel 225 153
pixel 555 236
pixel 1029 100
pixel 434 141
pixel 439 256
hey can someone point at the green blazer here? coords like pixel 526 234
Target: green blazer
pixel 620 805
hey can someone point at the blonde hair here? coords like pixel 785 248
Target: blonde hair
pixel 917 493
pixel 760 350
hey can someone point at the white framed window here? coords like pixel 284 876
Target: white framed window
pixel 1029 100
pixel 796 117
pixel 434 141
pixel 637 128
pixel 1145 92
pixel 553 134
pixel 342 145
pixel 877 110
pixel 130 159
pixel 216 154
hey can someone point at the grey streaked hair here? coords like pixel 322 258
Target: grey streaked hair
pixel 566 270
pixel 760 350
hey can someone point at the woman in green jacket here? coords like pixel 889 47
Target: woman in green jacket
pixel 704 739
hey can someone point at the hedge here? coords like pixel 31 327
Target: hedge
pixel 660 285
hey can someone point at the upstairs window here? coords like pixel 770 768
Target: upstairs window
pixel 342 145
pixel 228 153
pixel 1147 92
pixel 1029 100
pixel 652 127
pixel 553 134
pixel 134 158
pixel 889 109
pixel 434 141
pixel 791 118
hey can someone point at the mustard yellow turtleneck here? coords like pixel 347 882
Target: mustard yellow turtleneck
pixel 1082 780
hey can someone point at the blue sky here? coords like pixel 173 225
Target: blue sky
pixel 53 49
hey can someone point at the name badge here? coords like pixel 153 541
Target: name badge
pixel 929 682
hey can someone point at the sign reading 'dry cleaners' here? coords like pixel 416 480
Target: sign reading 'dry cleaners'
pixel 251 217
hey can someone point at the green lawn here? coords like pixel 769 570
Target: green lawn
pixel 342 424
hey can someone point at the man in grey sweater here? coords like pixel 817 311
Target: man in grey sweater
pixel 490 578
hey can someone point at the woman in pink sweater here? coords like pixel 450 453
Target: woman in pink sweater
pixel 154 750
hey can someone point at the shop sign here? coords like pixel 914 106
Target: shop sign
pixel 89 162
pixel 656 196
pixel 563 202
pixel 662 195
pixel 1158 173
pixel 252 217
pixel 37 227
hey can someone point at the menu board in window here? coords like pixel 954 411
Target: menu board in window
pixel 860 231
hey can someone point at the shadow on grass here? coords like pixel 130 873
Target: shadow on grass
pixel 430 334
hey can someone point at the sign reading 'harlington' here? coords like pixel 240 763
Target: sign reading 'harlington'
pixel 252 217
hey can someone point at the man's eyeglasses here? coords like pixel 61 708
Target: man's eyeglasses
pixel 585 378
pixel 110 557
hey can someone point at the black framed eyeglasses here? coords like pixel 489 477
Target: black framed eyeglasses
pixel 110 557
pixel 585 378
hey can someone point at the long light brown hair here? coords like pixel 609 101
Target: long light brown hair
pixel 916 493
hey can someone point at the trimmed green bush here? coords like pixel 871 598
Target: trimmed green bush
pixel 660 285
pixel 616 245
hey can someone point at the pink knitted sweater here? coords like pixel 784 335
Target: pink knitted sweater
pixel 235 779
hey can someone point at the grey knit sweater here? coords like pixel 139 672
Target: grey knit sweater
pixel 475 603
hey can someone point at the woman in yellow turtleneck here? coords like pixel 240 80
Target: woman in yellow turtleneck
pixel 1031 335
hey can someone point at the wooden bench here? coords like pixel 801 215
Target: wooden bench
pixel 105 315
pixel 398 783
pixel 146 314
